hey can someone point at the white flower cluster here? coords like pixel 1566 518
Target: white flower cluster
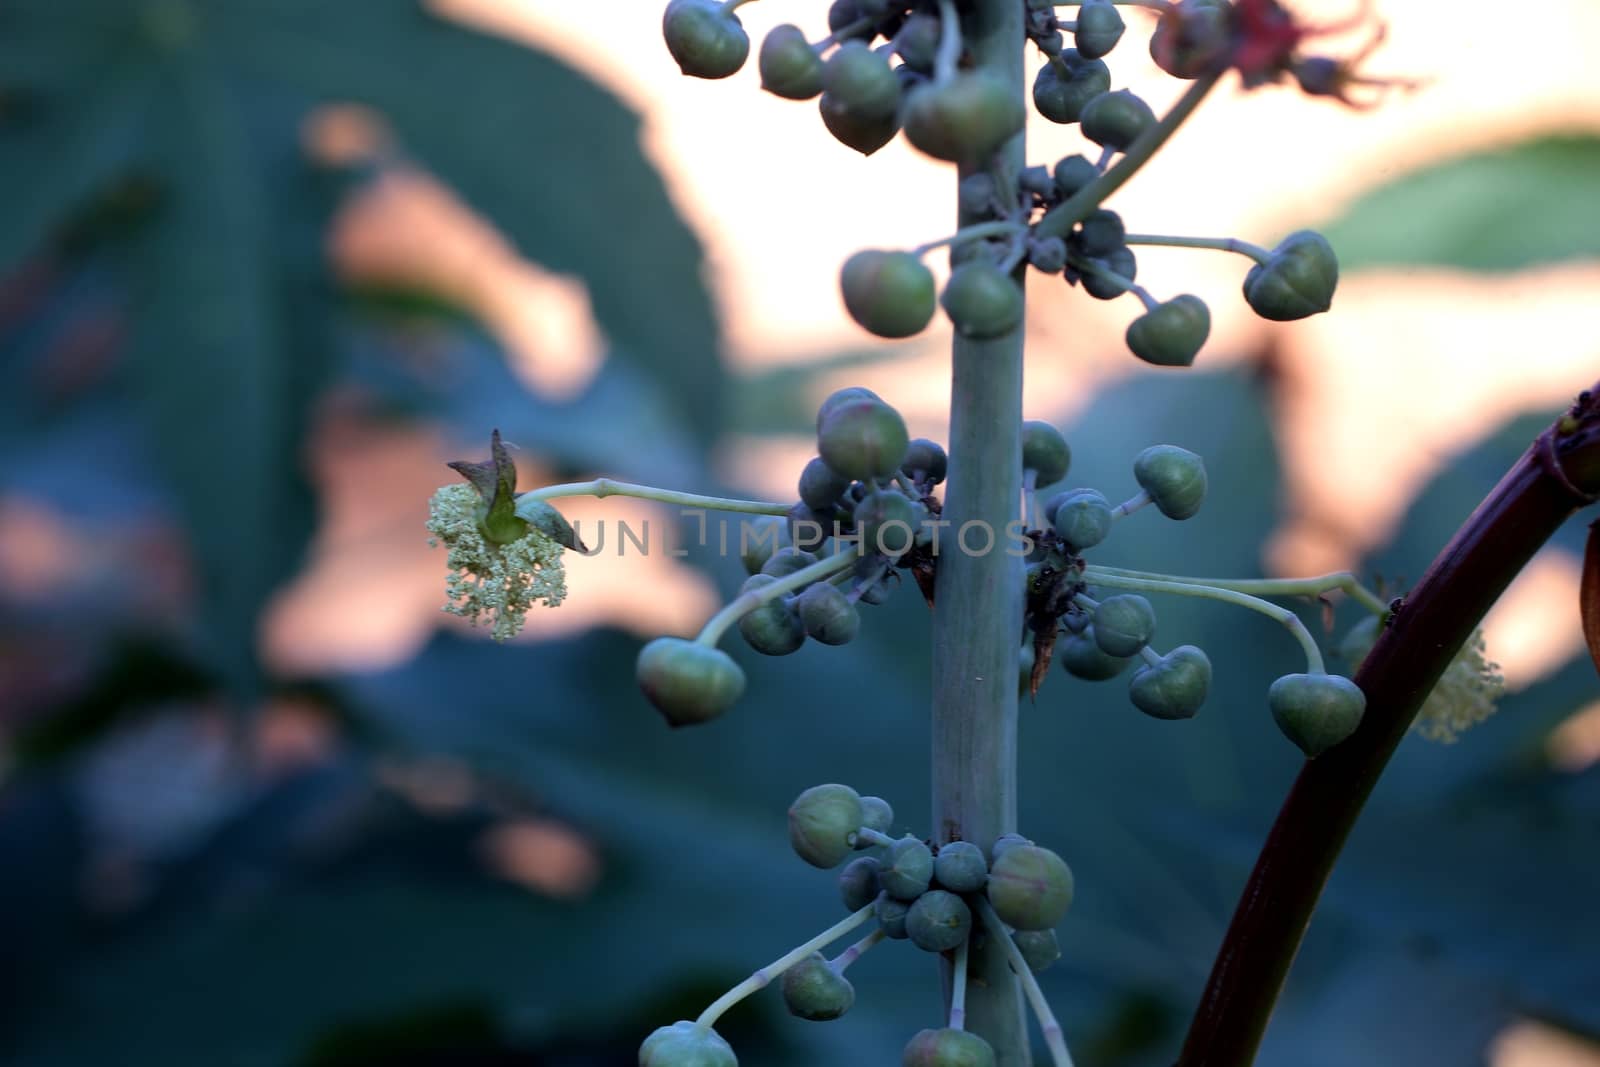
pixel 1466 694
pixel 498 581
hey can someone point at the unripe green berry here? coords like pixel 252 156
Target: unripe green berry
pixel 1045 452
pixel 1316 711
pixel 917 43
pixel 1175 687
pixel 925 459
pixel 1099 29
pixel 891 914
pixel 961 867
pixel 964 119
pixel 890 294
pixel 1115 120
pixel 976 194
pixel 1120 263
pixel 785 562
pixel 1171 334
pixel 1037 181
pixel 810 528
pixel 840 397
pixel 773 629
pixel 705 42
pixel 947 1048
pixel 907 869
pixel 858 883
pixel 938 921
pixel 876 814
pixel 1003 844
pixel 886 523
pixel 1100 234
pixel 872 583
pixel 688 682
pixel 1039 948
pixel 1073 173
pixel 866 133
pixel 1030 887
pixel 1191 37
pixel 1082 657
pixel 790 68
pixel 823 822
pixel 1062 89
pixel 860 79
pixel 820 485
pixel 982 301
pixel 1174 477
pixel 1123 624
pixel 814 990
pixel 863 439
pixel 686 1044
pixel 1048 254
pixel 828 615
pixel 759 539
pixel 1083 519
pixel 843 13
pixel 1298 282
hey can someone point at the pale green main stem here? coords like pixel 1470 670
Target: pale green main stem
pixel 977 618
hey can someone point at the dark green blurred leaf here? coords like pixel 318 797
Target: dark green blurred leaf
pixel 1497 210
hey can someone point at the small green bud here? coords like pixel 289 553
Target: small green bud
pixel 820 485
pixel 1073 173
pixel 947 1048
pixel 938 921
pixel 1191 37
pixel 1004 843
pixel 1100 234
pixel 1171 334
pixel 1316 711
pixel 1123 624
pixel 907 869
pixel 1082 657
pixel 828 615
pixel 843 396
pixel 891 915
pixel 890 294
pixel 705 42
pixel 866 133
pixel 1175 687
pixel 925 459
pixel 876 814
pixel 1120 262
pixel 843 13
pixel 887 523
pixel 790 68
pixel 982 301
pixel 785 562
pixel 976 194
pixel 1039 948
pixel 964 119
pixel 823 822
pixel 1099 29
pixel 863 439
pixel 917 43
pixel 961 867
pixel 858 883
pixel 1062 90
pixel 773 629
pixel 1045 451
pixel 1082 518
pixel 686 1044
pixel 861 80
pixel 688 682
pixel 1174 477
pixel 1115 120
pixel 1030 887
pixel 814 990
pixel 763 536
pixel 1298 282
pixel 1048 254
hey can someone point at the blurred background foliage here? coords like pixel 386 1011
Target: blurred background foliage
pixel 489 855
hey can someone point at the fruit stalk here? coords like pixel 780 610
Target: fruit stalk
pixel 977 618
pixel 1559 473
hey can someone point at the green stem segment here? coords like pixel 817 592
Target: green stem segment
pixel 1218 244
pixel 944 61
pixel 958 986
pixel 977 616
pixel 604 487
pixel 1053 1039
pixel 1000 228
pixel 761 978
pixel 746 602
pixel 1343 581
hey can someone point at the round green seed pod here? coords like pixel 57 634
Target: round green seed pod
pixel 1073 173
pixel 863 439
pixel 876 814
pixel 1171 334
pixel 773 629
pixel 961 867
pixel 1100 234
pixel 1082 657
pixel 858 883
pixel 917 43
pixel 688 682
pixel 1122 263
pixel 891 914
pixel 1116 119
pixel 1316 711
pixel 887 523
pixel 947 1048
pixel 814 990
pixel 1083 519
pixel 686 1044
pixel 1191 38
pixel 1005 843
pixel 846 13
pixel 907 869
pixel 1039 948
pixel 865 133
pixel 820 485
pixel 810 528
pixel 828 615
pixel 1175 687
pixel 786 561
pixel 982 301
pixel 1174 477
pixel 1298 282
pixel 1045 451
pixel 1099 29
pixel 925 459
pixel 1123 624
pixel 790 68
pixel 1048 254
pixel 963 119
pixel 861 80
pixel 938 921
pixel 759 538
pixel 840 397
pixel 1030 887
pixel 890 294
pixel 1061 91
pixel 823 822
pixel 705 42
pixel 976 194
